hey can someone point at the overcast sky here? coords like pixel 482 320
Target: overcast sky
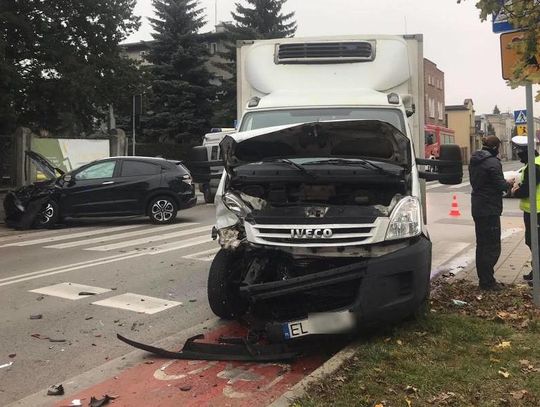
pixel 454 38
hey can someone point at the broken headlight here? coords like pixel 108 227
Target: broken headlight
pixel 406 219
pixel 236 205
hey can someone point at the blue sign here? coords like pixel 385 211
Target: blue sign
pixel 520 116
pixel 500 20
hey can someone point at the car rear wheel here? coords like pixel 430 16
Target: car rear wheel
pixel 162 210
pixel 48 216
pixel 223 294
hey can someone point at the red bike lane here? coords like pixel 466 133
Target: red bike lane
pixel 165 382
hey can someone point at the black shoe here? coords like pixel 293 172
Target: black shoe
pixel 492 287
pixel 528 277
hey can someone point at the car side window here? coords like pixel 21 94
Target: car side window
pixel 97 171
pixel 135 168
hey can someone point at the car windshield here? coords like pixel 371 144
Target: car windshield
pixel 262 119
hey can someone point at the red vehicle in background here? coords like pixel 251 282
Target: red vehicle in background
pixel 435 136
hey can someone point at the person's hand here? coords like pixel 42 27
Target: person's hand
pixel 515 188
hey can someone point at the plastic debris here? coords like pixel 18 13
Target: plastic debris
pixel 75 403
pixel 41 297
pixel 100 402
pixel 36 316
pixel 55 390
pixel 56 340
pixel 459 303
pixel 86 293
pixel 12 355
pixel 39 336
pixel 88 318
pixel 6 365
pixel 185 388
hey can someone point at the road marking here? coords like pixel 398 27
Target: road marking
pixel 138 303
pixel 101 239
pixel 69 291
pixel 169 247
pixel 149 239
pixel 207 255
pixel 65 269
pixel 463 184
pixel 70 236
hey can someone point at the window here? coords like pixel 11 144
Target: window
pixel 97 171
pixel 431 108
pixel 429 80
pixel 440 110
pixel 135 168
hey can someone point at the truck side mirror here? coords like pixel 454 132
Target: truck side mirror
pixel 448 170
pixel 198 164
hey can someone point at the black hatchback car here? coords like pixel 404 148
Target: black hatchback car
pixel 116 186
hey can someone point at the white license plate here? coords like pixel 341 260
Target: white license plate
pixel 320 323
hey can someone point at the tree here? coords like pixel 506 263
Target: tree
pixel 60 62
pixel 496 110
pixel 181 92
pixel 525 15
pixel 260 19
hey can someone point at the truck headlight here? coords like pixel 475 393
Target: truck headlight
pixel 405 220
pixel 236 205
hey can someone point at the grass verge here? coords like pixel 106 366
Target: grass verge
pixel 481 350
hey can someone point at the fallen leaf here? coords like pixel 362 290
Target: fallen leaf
pixel 504 374
pixel 409 404
pixel 504 345
pixel 379 405
pixel 399 342
pixel 519 395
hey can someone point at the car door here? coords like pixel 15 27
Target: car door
pixel 137 178
pixel 92 190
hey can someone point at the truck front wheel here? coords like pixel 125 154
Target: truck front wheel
pixel 223 283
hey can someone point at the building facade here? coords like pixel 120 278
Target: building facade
pixel 460 118
pixel 434 94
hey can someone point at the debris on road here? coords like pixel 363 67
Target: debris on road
pixel 39 336
pixel 459 303
pixel 230 349
pixel 6 365
pixel 36 316
pixel 12 355
pixel 57 340
pixel 185 388
pixel 75 403
pixel 55 390
pixel 41 297
pixel 86 293
pixel 101 402
pixel 88 318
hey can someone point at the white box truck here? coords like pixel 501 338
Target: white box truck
pixel 320 208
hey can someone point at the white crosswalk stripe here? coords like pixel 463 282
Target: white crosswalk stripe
pixel 149 239
pixel 118 236
pixel 57 238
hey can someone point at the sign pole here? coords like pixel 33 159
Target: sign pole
pixel 532 195
pixel 133 146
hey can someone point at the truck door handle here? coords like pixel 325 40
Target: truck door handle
pixel 107 183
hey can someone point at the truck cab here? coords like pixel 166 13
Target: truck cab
pixel 320 208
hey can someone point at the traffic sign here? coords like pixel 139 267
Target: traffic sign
pixel 500 22
pixel 521 129
pixel 510 56
pixel 520 116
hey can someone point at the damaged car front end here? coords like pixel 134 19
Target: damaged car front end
pixel 321 228
pixel 34 205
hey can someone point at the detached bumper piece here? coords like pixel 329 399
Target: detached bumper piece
pixel 229 349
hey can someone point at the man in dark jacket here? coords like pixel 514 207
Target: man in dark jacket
pixel 488 184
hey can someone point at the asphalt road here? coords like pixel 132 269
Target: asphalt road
pixel 147 282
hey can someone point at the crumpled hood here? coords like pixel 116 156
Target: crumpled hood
pixel 479 156
pixel 43 164
pixel 367 139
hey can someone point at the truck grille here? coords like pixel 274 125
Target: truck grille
pixel 312 235
pixel 325 52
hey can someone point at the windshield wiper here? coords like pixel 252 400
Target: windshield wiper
pixel 292 164
pixel 357 161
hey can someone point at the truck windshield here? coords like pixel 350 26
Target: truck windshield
pixel 270 118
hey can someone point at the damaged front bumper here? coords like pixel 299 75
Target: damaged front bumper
pixel 21 216
pixel 366 291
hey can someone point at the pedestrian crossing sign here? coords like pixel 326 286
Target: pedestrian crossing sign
pixel 520 116
pixel 521 129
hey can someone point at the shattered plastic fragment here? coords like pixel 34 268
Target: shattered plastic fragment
pixel 459 303
pixel 75 403
pixel 36 316
pixel 100 402
pixel 86 293
pixel 55 390
pixel 6 365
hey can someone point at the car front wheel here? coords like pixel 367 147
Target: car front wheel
pixel 47 216
pixel 162 210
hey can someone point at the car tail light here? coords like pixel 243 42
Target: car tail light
pixel 187 179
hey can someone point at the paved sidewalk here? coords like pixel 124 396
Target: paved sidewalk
pixel 515 256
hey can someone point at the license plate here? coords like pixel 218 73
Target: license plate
pixel 320 323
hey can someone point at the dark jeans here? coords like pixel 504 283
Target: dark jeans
pixel 527 220
pixel 488 247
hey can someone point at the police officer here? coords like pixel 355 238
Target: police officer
pixel 521 189
pixel 488 184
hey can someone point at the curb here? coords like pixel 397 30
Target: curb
pixel 326 369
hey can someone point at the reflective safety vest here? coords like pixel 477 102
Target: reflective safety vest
pixel 525 204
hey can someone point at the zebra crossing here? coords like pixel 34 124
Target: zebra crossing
pixel 126 240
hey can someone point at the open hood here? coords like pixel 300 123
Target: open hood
pixel 366 139
pixel 43 165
